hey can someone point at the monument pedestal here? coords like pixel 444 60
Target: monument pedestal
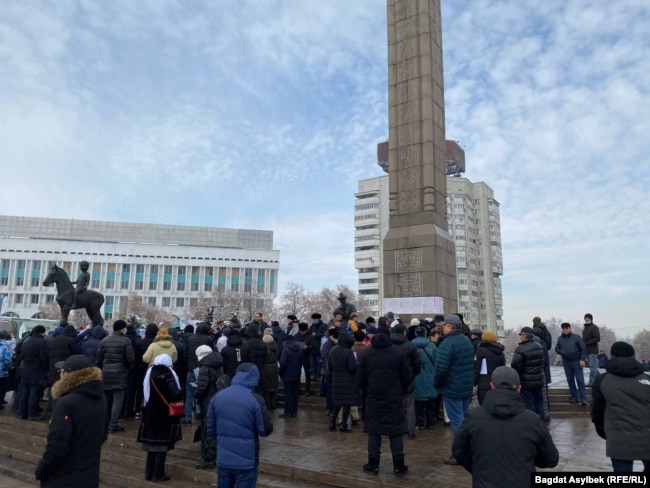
pixel 420 262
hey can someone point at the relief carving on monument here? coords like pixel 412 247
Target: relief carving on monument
pixel 407 157
pixel 407 48
pixel 406 28
pixel 408 201
pixel 407 91
pixel 407 69
pixel 408 260
pixel 408 179
pixel 409 285
pixel 408 135
pixel 404 9
pixel 407 112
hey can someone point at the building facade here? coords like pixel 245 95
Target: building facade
pixel 170 267
pixel 474 223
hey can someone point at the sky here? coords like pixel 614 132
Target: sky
pixel 265 114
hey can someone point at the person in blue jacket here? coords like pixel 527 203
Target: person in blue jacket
pixel 236 418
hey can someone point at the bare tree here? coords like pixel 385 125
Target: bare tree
pixel 294 301
pixel 641 344
pixel 607 338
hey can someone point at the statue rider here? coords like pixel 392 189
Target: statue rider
pixel 344 308
pixel 82 281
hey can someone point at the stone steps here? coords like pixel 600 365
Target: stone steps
pixel 22 444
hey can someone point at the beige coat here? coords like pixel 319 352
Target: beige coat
pixel 155 349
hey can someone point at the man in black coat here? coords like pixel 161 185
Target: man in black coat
pixel 384 375
pixel 257 349
pixel 74 442
pixel 234 353
pixel 528 362
pixel 414 363
pixel 116 358
pixel 201 337
pixel 59 349
pixel 501 442
pixel 317 329
pixel 34 370
pixel 306 342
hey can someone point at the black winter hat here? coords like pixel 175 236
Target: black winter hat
pixel 622 350
pixel 316 316
pixel 119 325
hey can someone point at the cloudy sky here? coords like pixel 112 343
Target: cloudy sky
pixel 265 114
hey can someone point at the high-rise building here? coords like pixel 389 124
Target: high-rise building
pixel 474 223
pixel 169 266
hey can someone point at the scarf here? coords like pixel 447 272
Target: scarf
pixel 161 360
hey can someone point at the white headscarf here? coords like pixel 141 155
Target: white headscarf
pixel 161 360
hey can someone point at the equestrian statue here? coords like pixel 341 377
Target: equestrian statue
pixel 70 298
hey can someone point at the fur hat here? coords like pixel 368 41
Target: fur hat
pixel 622 349
pixel 415 322
pixel 163 335
pixel 420 331
pixel 316 316
pixel 267 338
pixel 537 320
pixel 292 317
pixel 489 336
pixel 203 351
pixel 39 329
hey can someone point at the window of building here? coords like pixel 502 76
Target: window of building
pixel 110 276
pixel 180 280
pixel 234 280
pixel 49 298
pixel 180 302
pixel 248 280
pixel 166 302
pixel 365 206
pixel 33 299
pixel 261 275
pixel 167 285
pixel 194 302
pixel 151 301
pixel 18 298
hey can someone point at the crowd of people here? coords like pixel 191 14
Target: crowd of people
pixel 395 378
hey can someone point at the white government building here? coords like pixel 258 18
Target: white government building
pixel 170 266
pixel 474 224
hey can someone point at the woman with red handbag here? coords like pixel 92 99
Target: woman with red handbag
pixel 159 431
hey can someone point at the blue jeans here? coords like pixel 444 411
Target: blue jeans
pixel 626 466
pixel 457 409
pixel 574 374
pixel 189 395
pixel 241 478
pixel 114 403
pixel 534 400
pixel 592 362
pixel 29 400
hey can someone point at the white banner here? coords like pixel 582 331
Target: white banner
pixel 414 305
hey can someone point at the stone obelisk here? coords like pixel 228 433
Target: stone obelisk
pixel 419 254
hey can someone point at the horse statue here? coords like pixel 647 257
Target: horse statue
pixel 90 300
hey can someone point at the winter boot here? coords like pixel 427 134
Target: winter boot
pixel 159 468
pixel 372 467
pixel 398 466
pixel 148 470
